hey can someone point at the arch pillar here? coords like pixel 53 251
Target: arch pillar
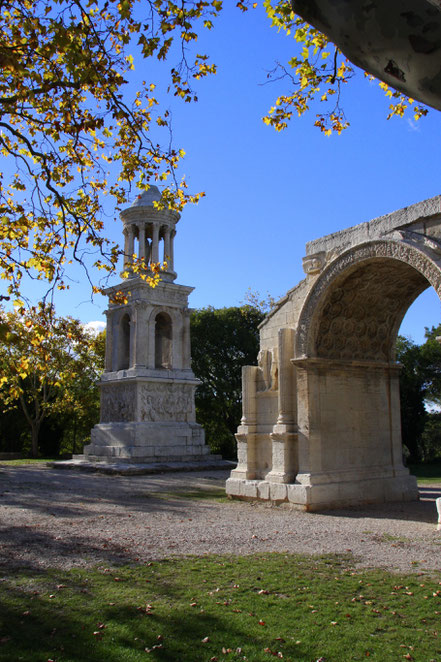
pixel 283 437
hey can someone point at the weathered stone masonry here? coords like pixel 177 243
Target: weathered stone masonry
pixel 321 411
pixel 147 389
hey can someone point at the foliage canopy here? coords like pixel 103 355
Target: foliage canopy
pixel 75 129
pixel 420 386
pixel 48 366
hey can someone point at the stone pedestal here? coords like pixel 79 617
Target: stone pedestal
pixel 147 417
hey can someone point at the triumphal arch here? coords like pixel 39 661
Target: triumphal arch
pixel 321 410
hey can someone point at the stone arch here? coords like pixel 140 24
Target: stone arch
pixel 124 342
pixel 163 341
pixel 356 307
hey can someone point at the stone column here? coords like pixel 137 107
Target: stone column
pixel 246 433
pixel 126 246
pixel 155 243
pixel 167 247
pixel 284 437
pixel 141 236
pixel 172 250
pixel 131 243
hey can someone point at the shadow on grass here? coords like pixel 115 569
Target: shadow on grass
pixel 222 609
pixel 103 617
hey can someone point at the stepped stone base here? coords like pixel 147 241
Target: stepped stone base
pixel 322 492
pixel 146 442
pixel 79 463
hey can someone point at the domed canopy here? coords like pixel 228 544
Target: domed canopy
pixel 147 198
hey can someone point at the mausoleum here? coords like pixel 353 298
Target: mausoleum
pixel 148 387
pixel 321 410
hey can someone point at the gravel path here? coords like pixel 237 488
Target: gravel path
pixel 62 519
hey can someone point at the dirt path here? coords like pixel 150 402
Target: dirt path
pixel 54 518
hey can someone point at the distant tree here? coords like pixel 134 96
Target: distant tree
pixel 431 437
pixel 431 362
pixel 14 430
pixel 256 300
pixel 222 341
pixel 412 396
pixel 420 386
pixel 48 365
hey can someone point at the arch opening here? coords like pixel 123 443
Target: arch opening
pixel 124 343
pixel 363 309
pixel 163 341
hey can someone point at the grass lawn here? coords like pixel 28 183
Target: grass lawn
pixel 206 609
pixel 27 460
pixel 427 473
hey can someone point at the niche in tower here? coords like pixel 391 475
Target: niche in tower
pixel 124 343
pixel 163 341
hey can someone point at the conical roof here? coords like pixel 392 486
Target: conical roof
pixel 147 198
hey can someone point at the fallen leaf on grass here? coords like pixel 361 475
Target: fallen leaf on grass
pixel 150 650
pixel 274 653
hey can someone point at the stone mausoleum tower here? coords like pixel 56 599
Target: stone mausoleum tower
pixel 148 387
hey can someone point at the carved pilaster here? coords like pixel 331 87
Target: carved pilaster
pixel 246 433
pixel 286 378
pixel 249 389
pixel 133 326
pixel 108 366
pixel 284 434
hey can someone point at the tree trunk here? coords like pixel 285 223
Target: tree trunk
pixel 74 444
pixel 35 430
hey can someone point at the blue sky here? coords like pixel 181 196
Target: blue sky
pixel 269 193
